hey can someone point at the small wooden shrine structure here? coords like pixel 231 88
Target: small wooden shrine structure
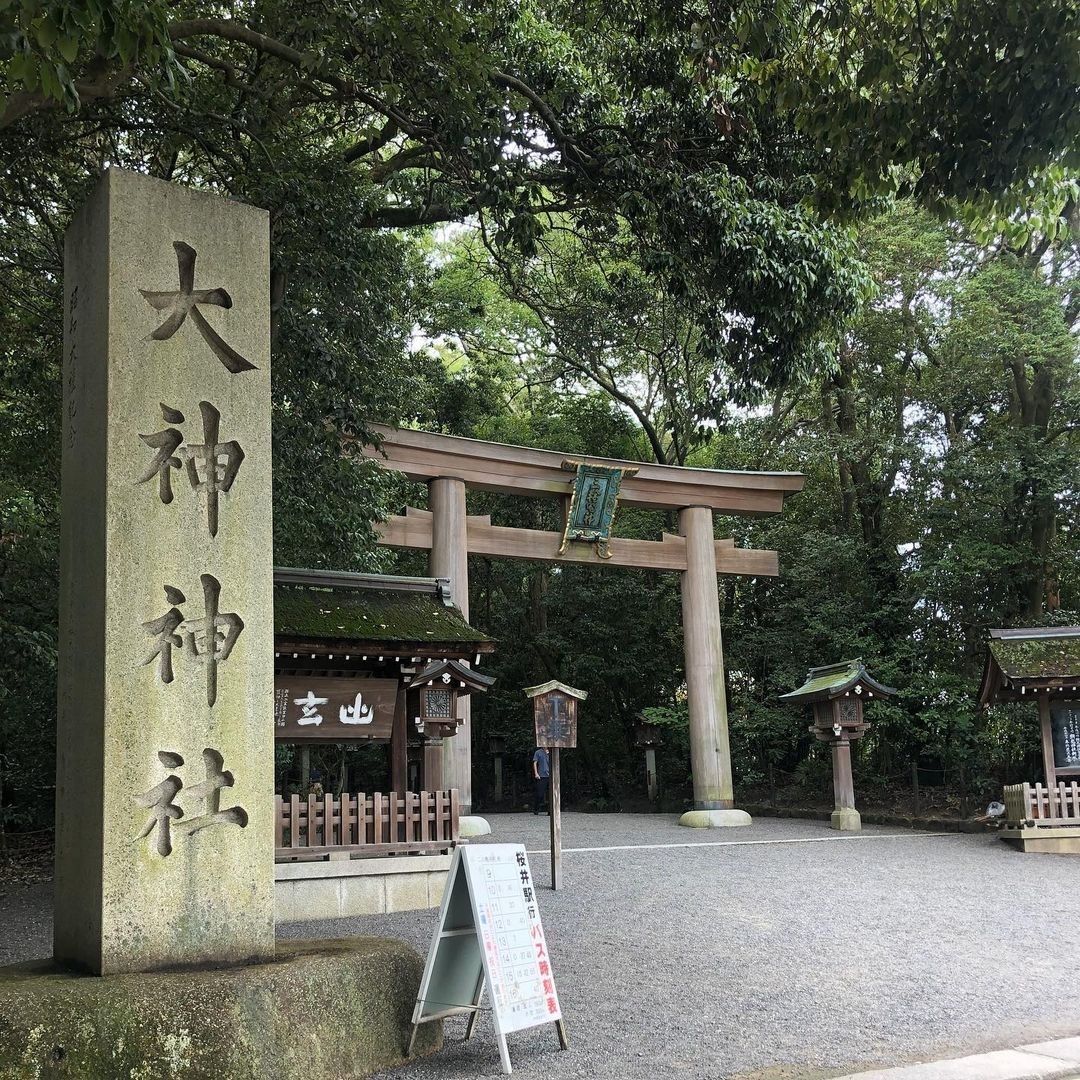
pixel 1041 665
pixel 837 693
pixel 369 657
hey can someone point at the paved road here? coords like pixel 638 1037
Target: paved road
pixel 768 959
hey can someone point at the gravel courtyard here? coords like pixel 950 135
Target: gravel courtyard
pixel 781 950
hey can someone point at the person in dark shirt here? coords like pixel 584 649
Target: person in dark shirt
pixel 541 771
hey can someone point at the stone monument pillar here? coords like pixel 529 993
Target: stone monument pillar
pixel 165 749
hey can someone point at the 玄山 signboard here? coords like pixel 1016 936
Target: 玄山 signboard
pixel 489 934
pixel 321 709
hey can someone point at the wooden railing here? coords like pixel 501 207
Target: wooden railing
pixel 1043 805
pixel 363 826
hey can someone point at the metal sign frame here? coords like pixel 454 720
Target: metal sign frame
pixel 488 912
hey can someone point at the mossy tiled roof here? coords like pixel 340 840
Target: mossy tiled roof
pixel 834 679
pixel 367 614
pixel 1048 656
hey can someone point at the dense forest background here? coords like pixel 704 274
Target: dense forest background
pixel 840 239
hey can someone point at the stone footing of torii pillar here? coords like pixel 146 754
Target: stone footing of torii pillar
pixel 164 883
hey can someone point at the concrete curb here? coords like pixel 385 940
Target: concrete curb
pixel 1036 1061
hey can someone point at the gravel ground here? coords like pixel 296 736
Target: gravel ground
pixel 763 959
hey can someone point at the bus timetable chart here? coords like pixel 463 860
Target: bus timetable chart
pixel 489 934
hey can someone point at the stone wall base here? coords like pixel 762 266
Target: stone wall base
pixel 342 889
pixel 322 1008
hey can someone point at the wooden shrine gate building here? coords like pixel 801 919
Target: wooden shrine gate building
pixel 589 491
pixel 368 658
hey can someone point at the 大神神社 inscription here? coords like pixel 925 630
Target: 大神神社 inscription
pixel 207 641
pixel 186 302
pixel 165 728
pixel 211 466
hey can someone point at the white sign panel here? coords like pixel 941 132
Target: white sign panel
pixel 489 931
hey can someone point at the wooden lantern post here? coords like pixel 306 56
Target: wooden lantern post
pixel 497 746
pixel 440 687
pixel 647 738
pixel 555 717
pixel 837 693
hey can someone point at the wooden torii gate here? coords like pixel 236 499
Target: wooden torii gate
pixel 450 465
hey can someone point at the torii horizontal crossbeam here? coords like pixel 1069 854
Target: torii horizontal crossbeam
pixel 522 470
pixel 414 530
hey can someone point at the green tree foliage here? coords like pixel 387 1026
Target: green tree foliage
pixel 638 244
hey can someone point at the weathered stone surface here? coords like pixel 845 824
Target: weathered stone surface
pixel 714 819
pixel 472 825
pixel 846 819
pixel 321 1009
pixel 167 309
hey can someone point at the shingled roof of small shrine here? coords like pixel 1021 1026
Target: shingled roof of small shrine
pixel 1045 652
pixel 834 679
pixel 313 605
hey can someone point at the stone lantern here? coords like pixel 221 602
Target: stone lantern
pixel 837 693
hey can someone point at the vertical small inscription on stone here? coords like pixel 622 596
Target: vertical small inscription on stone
pixel 73 361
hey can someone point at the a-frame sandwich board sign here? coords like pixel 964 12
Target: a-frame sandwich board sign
pixel 489 933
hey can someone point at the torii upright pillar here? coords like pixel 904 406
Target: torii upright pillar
pixel 450 559
pixel 450 464
pixel 710 751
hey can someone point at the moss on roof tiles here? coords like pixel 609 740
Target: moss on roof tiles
pixel 368 615
pixel 1037 658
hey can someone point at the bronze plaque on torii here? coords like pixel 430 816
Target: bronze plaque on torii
pixel 313 708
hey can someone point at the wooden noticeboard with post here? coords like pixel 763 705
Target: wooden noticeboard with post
pixel 1041 665
pixel 555 719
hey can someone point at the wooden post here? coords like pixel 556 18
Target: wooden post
pixel 555 806
pixel 1047 741
pixel 498 778
pixel 399 746
pixel 710 754
pixel 305 768
pixel 450 559
pixel 915 785
pixel 650 772
pixel 433 765
pixel 843 783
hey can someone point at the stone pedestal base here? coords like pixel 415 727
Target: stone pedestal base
pixel 305 891
pixel 714 819
pixel 846 820
pixel 1050 841
pixel 471 825
pixel 322 1008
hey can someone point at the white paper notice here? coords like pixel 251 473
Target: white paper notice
pixel 521 982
